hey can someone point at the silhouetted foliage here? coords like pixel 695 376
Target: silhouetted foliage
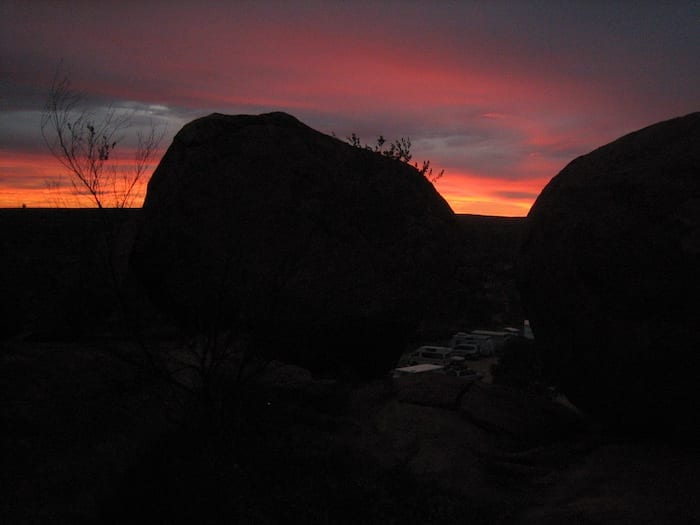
pixel 85 144
pixel 400 150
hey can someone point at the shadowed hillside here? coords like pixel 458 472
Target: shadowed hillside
pixel 496 236
pixel 484 293
pixel 94 440
pixel 55 281
pixel 56 285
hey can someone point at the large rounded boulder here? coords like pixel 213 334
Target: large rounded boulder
pixel 320 253
pixel 610 277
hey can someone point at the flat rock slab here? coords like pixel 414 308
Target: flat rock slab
pixel 527 419
pixel 432 389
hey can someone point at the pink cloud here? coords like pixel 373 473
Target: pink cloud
pixel 501 95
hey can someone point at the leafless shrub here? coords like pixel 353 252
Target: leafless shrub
pixel 85 143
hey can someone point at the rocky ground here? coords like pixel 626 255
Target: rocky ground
pixel 89 439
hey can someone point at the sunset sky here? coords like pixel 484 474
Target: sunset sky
pixel 500 94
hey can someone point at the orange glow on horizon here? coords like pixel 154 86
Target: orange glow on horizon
pixel 497 95
pixel 25 181
pixel 481 195
pixel 37 180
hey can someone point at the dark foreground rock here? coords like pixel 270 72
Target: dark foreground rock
pixel 438 390
pixel 54 281
pixel 609 279
pixel 327 255
pixel 89 439
pixel 525 418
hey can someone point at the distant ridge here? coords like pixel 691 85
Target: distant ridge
pixel 474 217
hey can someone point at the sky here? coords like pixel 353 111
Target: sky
pixel 499 94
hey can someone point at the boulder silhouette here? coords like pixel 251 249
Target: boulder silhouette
pixel 609 274
pixel 322 254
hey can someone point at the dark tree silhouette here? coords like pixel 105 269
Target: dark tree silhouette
pixel 85 143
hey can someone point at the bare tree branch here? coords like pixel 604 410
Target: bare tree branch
pixel 85 144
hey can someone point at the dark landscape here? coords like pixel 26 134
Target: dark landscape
pixel 299 314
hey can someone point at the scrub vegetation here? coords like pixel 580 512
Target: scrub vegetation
pixel 400 150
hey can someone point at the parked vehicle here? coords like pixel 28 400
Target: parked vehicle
pixel 433 355
pixel 459 338
pixel 465 342
pixel 466 350
pixel 498 337
pixel 485 344
pixel 417 369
